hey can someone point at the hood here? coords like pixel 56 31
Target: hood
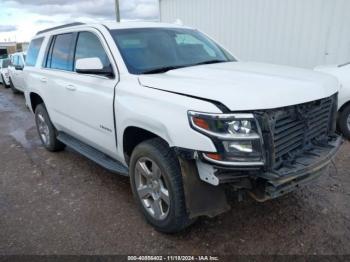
pixel 326 68
pixel 246 86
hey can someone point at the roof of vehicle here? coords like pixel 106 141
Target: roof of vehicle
pixel 113 25
pixel 18 53
pixel 139 24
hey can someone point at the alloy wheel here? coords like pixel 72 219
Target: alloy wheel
pixel 151 188
pixel 43 129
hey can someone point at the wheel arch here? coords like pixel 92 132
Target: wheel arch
pixel 35 100
pixel 341 109
pixel 133 136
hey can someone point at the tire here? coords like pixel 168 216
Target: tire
pixel 3 82
pixel 13 88
pixel 344 122
pixel 46 130
pixel 152 154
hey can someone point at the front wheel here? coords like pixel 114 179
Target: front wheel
pixel 344 121
pixel 46 130
pixel 156 183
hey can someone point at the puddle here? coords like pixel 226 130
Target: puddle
pixel 5 104
pixel 20 136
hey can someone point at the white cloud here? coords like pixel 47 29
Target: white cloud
pixel 29 16
pixel 8 28
pixel 103 9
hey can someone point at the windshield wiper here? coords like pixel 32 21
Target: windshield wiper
pixel 168 68
pixel 161 69
pixel 214 61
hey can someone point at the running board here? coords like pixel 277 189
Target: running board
pixel 93 154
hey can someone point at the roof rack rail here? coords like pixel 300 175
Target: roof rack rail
pixel 59 27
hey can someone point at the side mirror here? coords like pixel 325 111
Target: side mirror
pixel 19 67
pixel 93 66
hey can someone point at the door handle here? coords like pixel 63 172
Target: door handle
pixel 71 87
pixel 43 79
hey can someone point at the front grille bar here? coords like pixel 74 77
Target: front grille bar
pixel 292 131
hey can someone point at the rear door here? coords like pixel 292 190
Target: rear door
pixel 57 70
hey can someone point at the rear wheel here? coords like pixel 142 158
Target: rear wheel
pixel 156 183
pixel 13 88
pixel 46 130
pixel 3 81
pixel 344 121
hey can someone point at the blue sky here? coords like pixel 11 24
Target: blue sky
pixel 21 19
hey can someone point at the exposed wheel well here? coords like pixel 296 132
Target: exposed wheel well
pixel 344 106
pixel 132 137
pixel 35 100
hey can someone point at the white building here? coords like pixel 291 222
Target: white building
pixel 301 33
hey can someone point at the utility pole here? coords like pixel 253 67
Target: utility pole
pixel 117 11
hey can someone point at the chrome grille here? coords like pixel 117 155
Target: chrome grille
pixel 297 127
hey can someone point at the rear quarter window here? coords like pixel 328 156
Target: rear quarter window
pixel 33 51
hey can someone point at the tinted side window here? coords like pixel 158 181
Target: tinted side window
pixel 33 51
pixel 89 46
pixel 5 63
pixel 62 52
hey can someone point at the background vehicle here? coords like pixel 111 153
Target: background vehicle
pixel 342 72
pixel 176 112
pixel 15 70
pixel 4 75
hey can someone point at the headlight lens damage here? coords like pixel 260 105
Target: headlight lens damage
pixel 236 136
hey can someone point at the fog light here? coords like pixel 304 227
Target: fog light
pixel 241 146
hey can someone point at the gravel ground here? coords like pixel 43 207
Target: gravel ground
pixel 62 203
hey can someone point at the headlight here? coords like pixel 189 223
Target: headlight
pixel 236 136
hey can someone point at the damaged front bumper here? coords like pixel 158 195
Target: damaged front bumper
pixel 305 169
pixel 204 184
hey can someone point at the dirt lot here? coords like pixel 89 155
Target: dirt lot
pixel 62 203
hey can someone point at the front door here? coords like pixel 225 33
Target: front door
pixel 19 79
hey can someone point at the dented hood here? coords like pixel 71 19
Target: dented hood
pixel 246 86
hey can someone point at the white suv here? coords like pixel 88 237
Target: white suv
pixel 342 73
pixel 4 74
pixel 15 69
pixel 172 109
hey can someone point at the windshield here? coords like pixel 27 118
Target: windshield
pixel 157 50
